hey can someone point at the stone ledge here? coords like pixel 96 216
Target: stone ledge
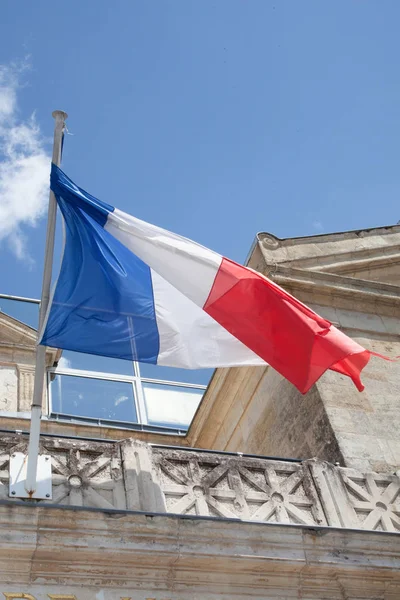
pixel 166 556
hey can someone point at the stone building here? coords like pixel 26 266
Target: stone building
pixel 157 512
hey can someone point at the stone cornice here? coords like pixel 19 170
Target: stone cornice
pixel 323 261
pixel 347 261
pixel 14 423
pixel 179 557
pixel 333 270
pixel 314 286
pixel 352 284
pixel 358 244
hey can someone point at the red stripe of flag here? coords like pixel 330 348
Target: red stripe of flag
pixel 290 337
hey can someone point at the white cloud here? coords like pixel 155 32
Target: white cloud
pixel 24 166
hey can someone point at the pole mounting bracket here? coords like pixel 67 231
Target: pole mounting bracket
pixel 18 468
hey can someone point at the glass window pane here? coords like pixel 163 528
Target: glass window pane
pixel 26 312
pixel 170 405
pixel 91 362
pixel 95 398
pixel 199 376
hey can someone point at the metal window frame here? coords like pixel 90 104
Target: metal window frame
pixel 121 377
pixel 50 411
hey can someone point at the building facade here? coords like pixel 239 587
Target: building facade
pixel 267 494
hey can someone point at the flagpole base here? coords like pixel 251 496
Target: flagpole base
pixel 18 474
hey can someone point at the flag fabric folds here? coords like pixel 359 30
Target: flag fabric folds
pixel 131 290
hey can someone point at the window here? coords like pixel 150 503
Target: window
pixel 170 405
pixel 96 399
pixel 90 362
pixel 112 392
pixel 122 400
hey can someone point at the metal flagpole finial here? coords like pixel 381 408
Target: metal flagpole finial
pixel 59 114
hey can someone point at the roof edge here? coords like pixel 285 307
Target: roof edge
pixel 321 236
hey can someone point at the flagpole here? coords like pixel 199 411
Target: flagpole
pixel 40 368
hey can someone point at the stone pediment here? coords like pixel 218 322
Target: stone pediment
pixel 18 342
pixel 356 266
pixel 15 333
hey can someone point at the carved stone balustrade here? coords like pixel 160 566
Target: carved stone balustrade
pixel 134 475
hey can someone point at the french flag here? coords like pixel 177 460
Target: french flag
pixel 131 290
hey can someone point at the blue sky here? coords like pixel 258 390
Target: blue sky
pixel 215 119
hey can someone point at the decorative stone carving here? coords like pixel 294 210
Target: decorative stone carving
pixel 83 478
pixel 83 473
pixel 136 476
pixel 373 500
pixel 269 241
pixel 358 500
pixel 26 380
pixel 251 489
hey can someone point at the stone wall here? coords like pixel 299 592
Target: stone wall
pixel 256 411
pixel 279 421
pixel 367 425
pixel 266 415
pixel 8 388
pixel 353 280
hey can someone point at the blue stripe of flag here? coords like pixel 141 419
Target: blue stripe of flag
pixel 104 293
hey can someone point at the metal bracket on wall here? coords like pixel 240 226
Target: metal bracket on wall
pixel 18 465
